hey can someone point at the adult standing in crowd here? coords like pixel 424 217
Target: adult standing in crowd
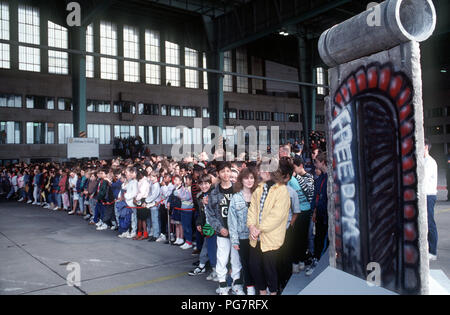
pixel 430 186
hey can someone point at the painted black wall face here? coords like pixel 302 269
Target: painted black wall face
pixel 374 163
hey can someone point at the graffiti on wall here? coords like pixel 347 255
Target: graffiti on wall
pixel 375 182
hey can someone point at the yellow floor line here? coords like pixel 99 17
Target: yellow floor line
pixel 139 284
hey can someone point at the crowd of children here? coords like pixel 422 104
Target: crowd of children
pixel 250 227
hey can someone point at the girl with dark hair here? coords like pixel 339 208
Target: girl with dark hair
pixel 237 222
pixel 142 211
pixel 187 209
pixel 217 213
pixel 174 204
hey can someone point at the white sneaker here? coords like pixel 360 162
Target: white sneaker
pixel 161 239
pixel 432 257
pixel 295 268
pixel 237 289
pixel 99 223
pixel 172 238
pixel 310 269
pixel 114 227
pixel 197 271
pixel 20 200
pixel 212 276
pixel 102 227
pixel 87 217
pixel 34 203
pixel 56 209
pixel 186 246
pixel 224 291
pixel 38 204
pixel 179 241
pixel 251 291
pixel 29 201
pixel 123 235
pixel 131 235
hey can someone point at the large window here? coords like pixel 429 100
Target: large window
pixel 171 135
pixel 264 116
pixel 227 66
pixel 172 57
pixel 149 135
pixel 40 102
pixel 170 110
pixel 65 104
pixel 281 117
pixel 5 58
pixel 192 136
pixel 131 50
pixel 152 53
pixel 125 107
pixel 98 106
pixel 10 100
pixel 193 112
pixel 40 133
pixel 65 131
pixel 205 112
pixel 241 67
pixel 101 132
pixel 191 60
pixel 124 132
pixel 320 80
pixel 231 113
pixel 293 118
pixel 246 115
pixel 58 62
pixel 29 32
pixel 108 46
pixel 10 132
pixel 90 48
pixel 148 109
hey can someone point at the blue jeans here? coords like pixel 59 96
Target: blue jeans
pixel 11 192
pixel 81 203
pixel 211 242
pixel 154 212
pixel 99 212
pixel 59 200
pixel 432 229
pixel 186 222
pixel 51 198
pixel 116 212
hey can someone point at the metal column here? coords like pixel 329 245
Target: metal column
pixel 214 60
pixel 78 41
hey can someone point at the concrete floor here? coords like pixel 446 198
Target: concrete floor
pixel 36 246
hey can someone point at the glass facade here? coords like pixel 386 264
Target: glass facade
pixel 108 46
pixel 29 32
pixel 58 62
pixel 5 58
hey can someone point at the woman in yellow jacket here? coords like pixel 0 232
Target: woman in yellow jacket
pixel 267 218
